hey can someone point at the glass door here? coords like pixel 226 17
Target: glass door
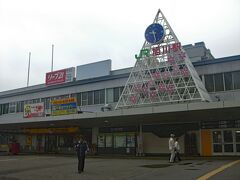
pixel 217 141
pixel 237 139
pixel 227 142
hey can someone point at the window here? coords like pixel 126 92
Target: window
pixel 79 99
pixel 218 79
pixel 47 103
pixel 209 83
pixel 5 108
pixel 108 140
pixel 117 93
pixel 90 97
pixel 36 100
pixel 101 141
pixel 109 95
pixel 236 79
pixel 97 97
pixel 131 140
pixel 228 81
pixel 1 109
pixel 217 137
pixel 20 106
pixel 65 141
pixel 84 98
pixel 119 141
pixel 102 96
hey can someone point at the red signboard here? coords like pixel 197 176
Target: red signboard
pixel 56 77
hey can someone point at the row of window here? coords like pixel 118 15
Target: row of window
pixel 213 83
pixel 102 96
pixel 222 81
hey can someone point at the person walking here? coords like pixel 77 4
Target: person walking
pixel 81 148
pixel 171 145
pixel 177 150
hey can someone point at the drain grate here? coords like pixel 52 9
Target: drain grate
pixel 157 165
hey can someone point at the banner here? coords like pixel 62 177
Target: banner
pixel 64 106
pixel 33 110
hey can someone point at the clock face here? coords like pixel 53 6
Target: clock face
pixel 154 33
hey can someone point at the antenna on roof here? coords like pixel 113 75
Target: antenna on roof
pixel 29 59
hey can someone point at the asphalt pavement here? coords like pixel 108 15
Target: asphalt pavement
pixel 34 167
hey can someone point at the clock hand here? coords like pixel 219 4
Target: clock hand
pixel 154 35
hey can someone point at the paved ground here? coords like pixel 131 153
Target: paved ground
pixel 62 168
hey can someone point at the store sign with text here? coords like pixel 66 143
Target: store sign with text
pixel 56 77
pixel 33 110
pixel 60 76
pixel 64 106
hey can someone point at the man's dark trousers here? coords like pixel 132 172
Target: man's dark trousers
pixel 81 162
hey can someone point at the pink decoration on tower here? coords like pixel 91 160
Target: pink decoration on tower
pixel 153 94
pixel 162 87
pixel 156 75
pixel 185 72
pixel 170 88
pixel 133 99
pixel 171 59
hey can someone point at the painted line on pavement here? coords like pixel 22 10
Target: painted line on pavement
pixel 218 170
pixel 32 158
pixel 8 160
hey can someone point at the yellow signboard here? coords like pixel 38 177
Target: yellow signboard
pixel 64 106
pixel 52 130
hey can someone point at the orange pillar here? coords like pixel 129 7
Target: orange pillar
pixel 206 142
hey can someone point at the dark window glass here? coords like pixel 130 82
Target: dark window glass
pixel 20 106
pixel 79 99
pixel 228 148
pixel 218 82
pixel 237 134
pixel 238 147
pixel 236 79
pixel 84 98
pixel 217 148
pixel 47 103
pixel 228 81
pixel 109 95
pixel 227 135
pixel 0 109
pixel 217 137
pixel 90 97
pixel 5 108
pixel 97 97
pixel 102 96
pixel 116 94
pixel 209 83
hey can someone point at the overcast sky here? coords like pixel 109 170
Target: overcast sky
pixel 88 31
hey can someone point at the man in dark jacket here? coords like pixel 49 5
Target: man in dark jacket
pixel 81 148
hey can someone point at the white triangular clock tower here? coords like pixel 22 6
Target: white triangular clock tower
pixel 163 72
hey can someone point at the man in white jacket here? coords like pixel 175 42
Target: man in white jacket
pixel 171 144
pixel 177 150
